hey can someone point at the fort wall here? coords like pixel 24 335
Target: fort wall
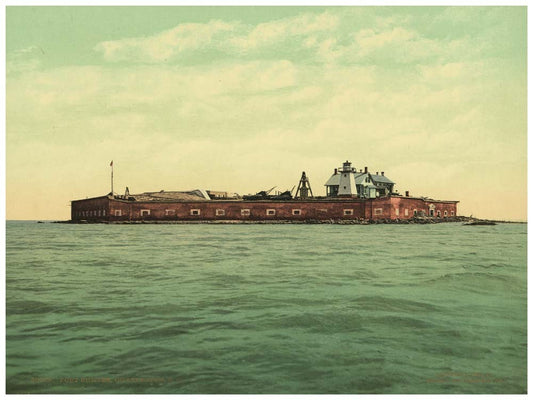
pixel 393 207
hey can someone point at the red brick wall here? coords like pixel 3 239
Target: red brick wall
pixel 90 209
pixel 395 207
pixel 385 208
pixel 233 210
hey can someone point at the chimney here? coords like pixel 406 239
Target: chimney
pixel 377 173
pixel 407 193
pixel 360 170
pixel 366 170
pixel 335 171
pixel 382 173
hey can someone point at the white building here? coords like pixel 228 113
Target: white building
pixel 346 181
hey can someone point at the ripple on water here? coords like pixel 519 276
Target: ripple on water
pixel 265 309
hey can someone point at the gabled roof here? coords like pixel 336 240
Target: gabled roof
pixel 360 178
pixel 334 180
pixel 381 179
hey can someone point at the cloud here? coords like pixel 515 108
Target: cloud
pixel 300 28
pixel 368 40
pixel 167 45
pixel 230 38
pixel 75 104
pixel 24 60
pixel 337 36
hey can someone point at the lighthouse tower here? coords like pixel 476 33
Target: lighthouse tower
pixel 344 181
pixel 347 180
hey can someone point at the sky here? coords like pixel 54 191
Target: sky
pixel 242 99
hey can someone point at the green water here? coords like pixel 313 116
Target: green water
pixel 266 308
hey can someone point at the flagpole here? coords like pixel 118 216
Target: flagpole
pixel 111 178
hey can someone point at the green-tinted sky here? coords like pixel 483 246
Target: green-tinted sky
pixel 245 98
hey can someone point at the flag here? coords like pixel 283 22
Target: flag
pixel 111 163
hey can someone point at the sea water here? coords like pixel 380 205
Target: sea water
pixel 258 309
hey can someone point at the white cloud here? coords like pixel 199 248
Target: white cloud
pixel 369 40
pixel 24 60
pixel 446 73
pixel 270 33
pixel 329 37
pixel 231 38
pixel 168 44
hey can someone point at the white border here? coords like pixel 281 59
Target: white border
pixel 248 3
